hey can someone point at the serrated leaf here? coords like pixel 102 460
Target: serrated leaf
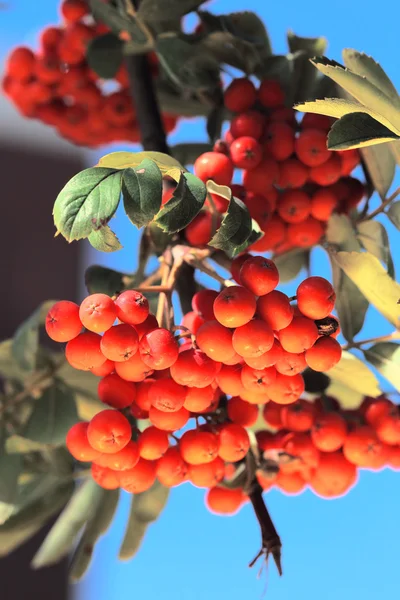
pixel 61 538
pixel 145 509
pixel 351 304
pixel 87 202
pixel 102 280
pixel 313 46
pixel 10 470
pixel 394 214
pixel 118 21
pixel 370 277
pixel 385 356
pixel 291 263
pixel 358 130
pixel 367 67
pixel 356 375
pixel 339 107
pixel 186 153
pixel 186 202
pixel 23 525
pixel 381 166
pixel 362 90
pixel 53 415
pixel 98 524
pixel 25 345
pixel 123 160
pixel 374 238
pixel 141 192
pixel 104 240
pixel 186 64
pixel 104 55
pixel 236 226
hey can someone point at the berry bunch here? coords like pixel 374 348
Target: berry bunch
pixel 242 347
pixel 318 445
pixel 56 85
pixel 291 183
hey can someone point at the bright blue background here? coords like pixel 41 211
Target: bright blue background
pixel 346 548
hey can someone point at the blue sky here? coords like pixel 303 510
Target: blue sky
pixel 343 548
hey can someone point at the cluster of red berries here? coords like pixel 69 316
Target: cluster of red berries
pixel 321 446
pixel 291 182
pixel 242 347
pixel 56 85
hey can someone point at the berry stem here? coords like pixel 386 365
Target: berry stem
pixel 382 207
pixel 270 540
pixel 395 335
pixel 204 267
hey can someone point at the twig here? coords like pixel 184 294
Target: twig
pixel 204 267
pixel 395 335
pixel 382 207
pixel 270 541
pixel 163 295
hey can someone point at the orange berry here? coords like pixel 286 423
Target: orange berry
pixel 207 474
pixel 119 343
pixel 323 203
pixel 116 392
pixel 290 483
pixel 300 335
pixel 259 275
pixel 324 355
pixel 132 307
pixel 78 444
pixel 229 379
pixel 327 173
pixel 334 476
pixel 329 432
pixel 159 349
pixel 291 364
pixel 133 369
pixel 234 442
pixel 294 206
pixel 109 431
pixel 199 399
pixel 311 147
pixel 301 447
pixel 315 297
pixel 171 468
pixel 83 352
pixel 198 447
pixel 253 339
pixel 242 412
pixel 168 421
pixel 97 312
pixel 258 381
pixel 167 395
pixel 215 340
pixel 234 306
pixel 62 321
pixel 286 389
pixel 194 369
pixel 363 448
pixel 224 501
pixel 305 234
pixel 299 416
pixel 124 459
pixel 140 478
pixel 268 359
pixel 105 369
pixel 153 443
pixel 274 234
pixel 388 428
pixel 375 409
pixel 275 309
pixel 105 477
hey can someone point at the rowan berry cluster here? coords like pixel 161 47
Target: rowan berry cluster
pixel 56 85
pixel 318 445
pixel 241 347
pixel 291 183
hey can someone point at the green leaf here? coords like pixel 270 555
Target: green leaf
pixel 168 165
pixel 17 444
pixel 236 226
pixel 154 12
pixel 291 263
pixel 104 240
pixel 87 202
pixel 381 166
pixel 10 470
pixel 231 50
pixel 84 385
pixel 279 68
pixel 119 21
pixel 361 89
pixel 385 356
pixel 23 525
pixel 374 238
pixel 351 304
pixel 214 124
pixel 25 346
pixel 98 524
pixel 358 130
pixel 61 538
pixel 304 76
pixel 186 64
pixel 348 398
pixel 394 214
pixel 101 280
pixel 186 202
pixel 355 374
pixel 104 55
pixel 53 415
pixel 370 277
pixel 186 153
pixel 339 107
pixel 145 509
pixel 141 192
pixel 367 67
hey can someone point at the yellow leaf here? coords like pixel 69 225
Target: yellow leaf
pixel 372 280
pixel 355 374
pixel 122 160
pixel 221 190
pixel 347 397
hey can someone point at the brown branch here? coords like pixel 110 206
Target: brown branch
pixel 270 541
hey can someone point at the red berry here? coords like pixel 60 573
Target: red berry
pixel 168 421
pixel 116 392
pixel 84 353
pixel 241 412
pixel 292 174
pixel 153 443
pixel 278 140
pixel 215 340
pixel 97 312
pixel 167 395
pixel 311 147
pixel 286 389
pixel 224 501
pixel 259 179
pixel 327 173
pixel 109 431
pixel 240 95
pixel 256 380
pixel 315 297
pixel 73 10
pixel 140 478
pixel 20 63
pixel 198 447
pixel 78 444
pixel 234 442
pixel 215 166
pixel 294 206
pixel 194 369
pixel 105 477
pixel 324 355
pixel 305 234
pixel 119 343
pixel 300 335
pixel 250 123
pixel 122 460
pixel 270 94
pixel 259 275
pixel 132 307
pixel 323 203
pixel 133 369
pixel 253 339
pixel 234 306
pixel 62 321
pixel 159 349
pixel 275 309
pixel 245 152
pixel 203 304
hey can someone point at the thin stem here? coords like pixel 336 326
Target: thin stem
pixel 156 289
pixel 395 335
pixel 202 266
pixel 382 207
pixel 270 541
pixel 163 295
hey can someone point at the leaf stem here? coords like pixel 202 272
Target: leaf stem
pixel 395 335
pixel 382 207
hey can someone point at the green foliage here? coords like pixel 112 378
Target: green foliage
pixel 304 79
pixel 104 240
pixel 385 356
pixel 96 526
pixel 120 21
pixel 291 263
pixel 394 214
pixel 102 280
pixel 374 238
pixel 10 470
pixel 145 509
pixel 186 202
pixel 87 202
pixel 25 345
pixel 104 55
pixel 381 165
pixel 358 130
pixel 156 12
pixel 61 538
pixel 141 192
